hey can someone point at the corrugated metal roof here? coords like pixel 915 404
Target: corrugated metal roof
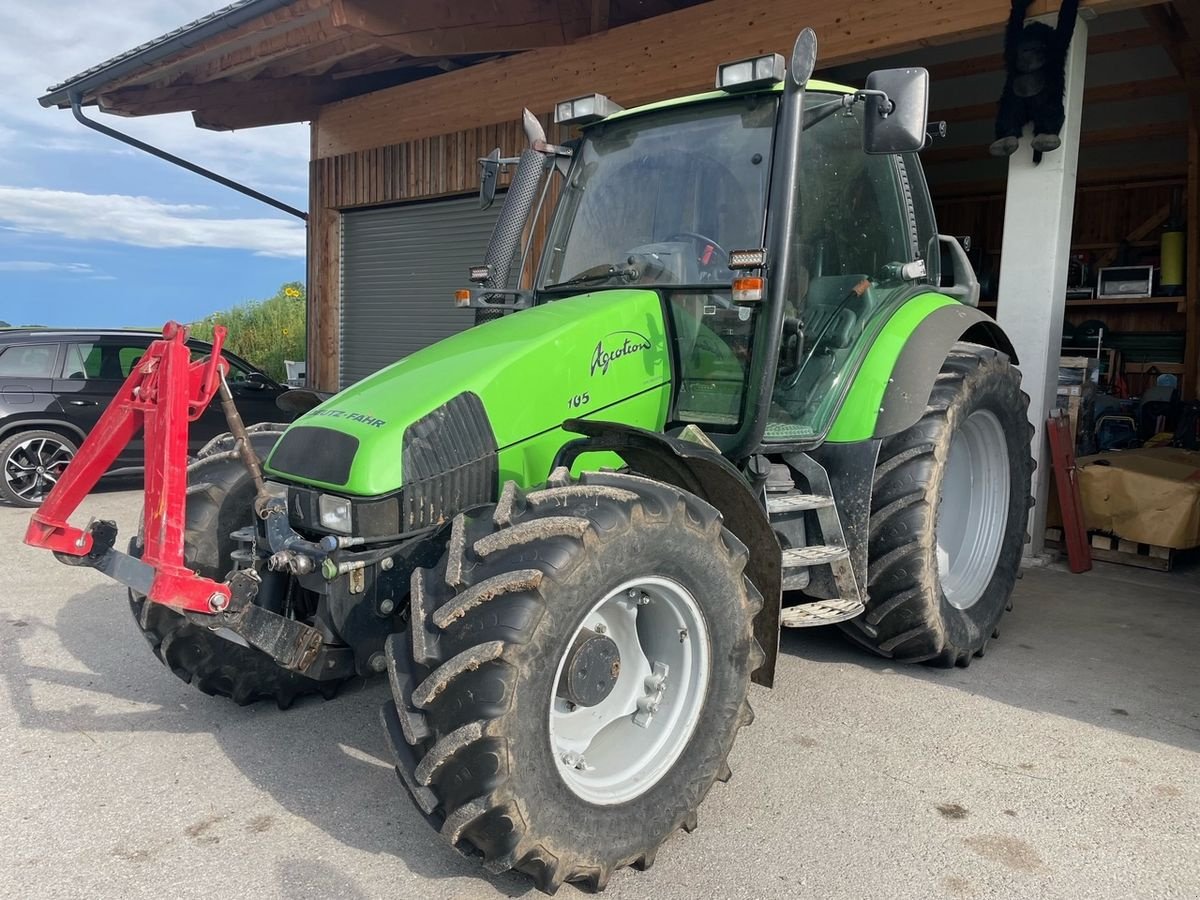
pixel 224 19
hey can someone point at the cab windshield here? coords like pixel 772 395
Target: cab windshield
pixel 663 199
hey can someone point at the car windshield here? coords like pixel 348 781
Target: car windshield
pixel 662 199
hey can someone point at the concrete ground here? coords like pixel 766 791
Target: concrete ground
pixel 1064 765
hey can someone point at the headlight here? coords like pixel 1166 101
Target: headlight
pixel 334 513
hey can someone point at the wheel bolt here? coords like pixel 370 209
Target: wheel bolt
pixel 574 760
pixel 600 628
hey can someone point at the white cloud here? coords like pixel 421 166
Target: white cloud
pixel 37 50
pixel 32 265
pixel 143 222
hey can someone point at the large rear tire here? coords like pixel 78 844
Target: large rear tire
pixel 949 512
pixel 219 501
pixel 486 741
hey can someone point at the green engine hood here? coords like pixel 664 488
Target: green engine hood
pixel 602 354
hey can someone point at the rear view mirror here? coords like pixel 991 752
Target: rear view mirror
pixel 489 174
pixel 897 108
pixel 255 381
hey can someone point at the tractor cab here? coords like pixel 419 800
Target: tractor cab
pixel 781 221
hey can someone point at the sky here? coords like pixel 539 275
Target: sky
pixel 95 233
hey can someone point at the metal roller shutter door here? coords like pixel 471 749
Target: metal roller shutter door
pixel 400 268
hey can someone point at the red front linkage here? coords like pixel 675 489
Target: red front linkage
pixel 164 392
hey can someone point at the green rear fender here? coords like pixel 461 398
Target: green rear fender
pixel 601 355
pixel 890 391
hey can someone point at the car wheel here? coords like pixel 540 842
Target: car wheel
pixel 31 462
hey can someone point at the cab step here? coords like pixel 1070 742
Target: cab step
pixel 815 555
pixel 796 502
pixel 820 612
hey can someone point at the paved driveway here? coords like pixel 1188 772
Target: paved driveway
pixel 1063 765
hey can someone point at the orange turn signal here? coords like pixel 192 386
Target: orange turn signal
pixel 462 298
pixel 747 290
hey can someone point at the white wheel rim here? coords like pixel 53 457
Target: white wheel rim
pixel 34 466
pixel 973 508
pixel 618 749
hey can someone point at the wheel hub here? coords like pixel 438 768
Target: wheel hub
pixel 592 668
pixel 33 467
pixel 629 690
pixel 973 508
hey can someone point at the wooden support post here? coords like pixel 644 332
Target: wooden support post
pixel 1038 215
pixel 324 282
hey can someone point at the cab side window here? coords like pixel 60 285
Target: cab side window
pixel 854 228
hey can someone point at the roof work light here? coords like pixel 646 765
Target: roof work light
pixel 584 110
pixel 743 74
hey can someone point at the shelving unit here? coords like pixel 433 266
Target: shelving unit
pixel 1180 303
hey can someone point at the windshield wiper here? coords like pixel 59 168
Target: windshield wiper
pixel 820 113
pixel 590 277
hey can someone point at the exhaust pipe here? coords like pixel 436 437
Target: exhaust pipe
pixel 505 242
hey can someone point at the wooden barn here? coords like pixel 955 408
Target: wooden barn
pixel 403 97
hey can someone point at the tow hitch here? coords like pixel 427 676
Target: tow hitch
pixel 164 392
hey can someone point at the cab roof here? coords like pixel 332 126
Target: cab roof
pixel 813 85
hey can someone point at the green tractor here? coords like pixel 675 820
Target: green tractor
pixel 737 394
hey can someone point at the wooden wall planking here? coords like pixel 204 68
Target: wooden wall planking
pixel 425 168
pixel 659 57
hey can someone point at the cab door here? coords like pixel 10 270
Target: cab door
pixel 855 231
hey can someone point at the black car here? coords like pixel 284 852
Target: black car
pixel 54 384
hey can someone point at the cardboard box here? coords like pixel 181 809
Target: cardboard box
pixel 1150 496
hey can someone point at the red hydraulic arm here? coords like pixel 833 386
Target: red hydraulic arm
pixel 164 392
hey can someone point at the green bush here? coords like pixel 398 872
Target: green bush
pixel 264 332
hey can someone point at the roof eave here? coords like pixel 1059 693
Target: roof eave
pixel 93 80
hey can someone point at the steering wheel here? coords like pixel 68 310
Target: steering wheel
pixel 711 249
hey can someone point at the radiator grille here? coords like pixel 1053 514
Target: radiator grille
pixel 449 463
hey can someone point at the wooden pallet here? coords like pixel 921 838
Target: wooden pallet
pixel 1110 548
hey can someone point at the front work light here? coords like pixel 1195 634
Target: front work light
pixel 747 259
pixel 744 74
pixel 335 513
pixel 584 110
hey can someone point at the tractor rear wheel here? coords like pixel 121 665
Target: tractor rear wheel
pixel 575 675
pixel 219 501
pixel 949 512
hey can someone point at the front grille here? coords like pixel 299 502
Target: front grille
pixel 449 462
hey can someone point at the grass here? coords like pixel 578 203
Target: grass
pixel 264 332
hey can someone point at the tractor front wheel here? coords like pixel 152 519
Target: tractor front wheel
pixel 220 500
pixel 575 675
pixel 949 512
